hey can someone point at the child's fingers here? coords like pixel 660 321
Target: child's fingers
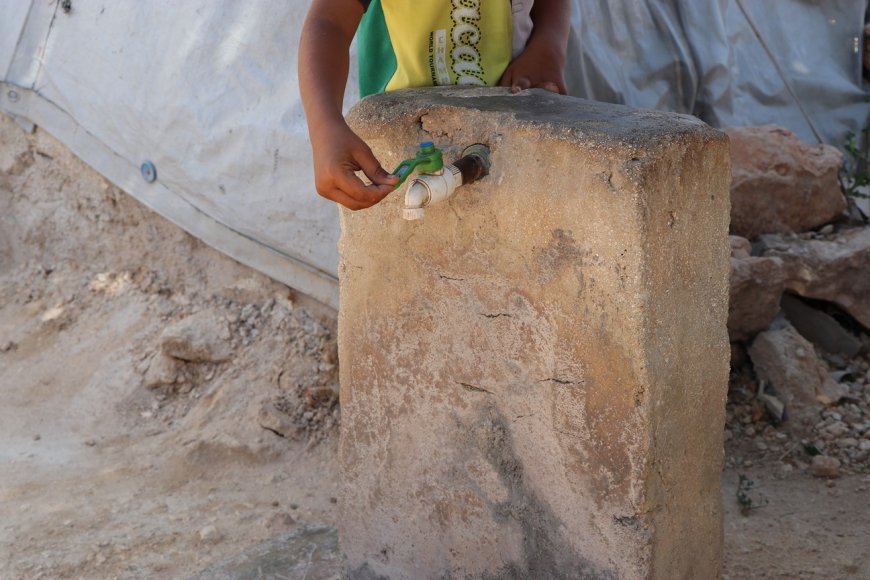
pixel 349 202
pixel 346 188
pixel 372 167
pixel 551 86
pixel 506 77
pixel 520 84
pixel 328 190
pixel 365 195
pixel 344 199
pixel 516 83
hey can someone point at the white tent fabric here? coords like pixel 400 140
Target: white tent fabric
pixel 795 63
pixel 207 92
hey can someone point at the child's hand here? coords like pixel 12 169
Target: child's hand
pixel 338 154
pixel 536 67
pixel 540 65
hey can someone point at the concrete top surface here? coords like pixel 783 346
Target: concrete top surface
pixel 566 118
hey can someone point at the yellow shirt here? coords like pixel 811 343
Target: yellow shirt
pixel 418 43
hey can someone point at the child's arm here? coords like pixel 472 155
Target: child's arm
pixel 323 66
pixel 540 64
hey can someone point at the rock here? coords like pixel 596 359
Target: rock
pixel 197 338
pixel 210 535
pixel 834 270
pixel 825 466
pixel 781 184
pixel 756 288
pixel 835 429
pixel 819 327
pixel 162 371
pixel 741 248
pixel 774 407
pixel 250 313
pixel 787 362
pixel 271 418
pixel 831 392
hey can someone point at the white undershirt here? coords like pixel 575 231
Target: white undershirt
pixel 522 19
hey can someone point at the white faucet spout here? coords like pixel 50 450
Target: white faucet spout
pixel 418 194
pixel 428 189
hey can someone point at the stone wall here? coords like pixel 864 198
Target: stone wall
pixel 533 377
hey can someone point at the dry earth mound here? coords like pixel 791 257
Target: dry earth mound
pixel 158 398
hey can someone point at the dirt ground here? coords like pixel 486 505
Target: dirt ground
pixel 122 461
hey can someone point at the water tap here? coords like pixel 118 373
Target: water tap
pixel 438 181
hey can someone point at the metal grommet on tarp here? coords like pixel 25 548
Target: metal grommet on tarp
pixel 149 171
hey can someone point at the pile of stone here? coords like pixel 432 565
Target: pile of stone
pixel 800 307
pixel 197 345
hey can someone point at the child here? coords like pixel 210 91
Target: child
pixel 413 43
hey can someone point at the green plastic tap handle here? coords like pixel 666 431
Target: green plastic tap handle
pixel 428 160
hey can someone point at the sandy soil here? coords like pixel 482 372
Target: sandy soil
pixel 103 477
pixel 121 462
pixel 805 528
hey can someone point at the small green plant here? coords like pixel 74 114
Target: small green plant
pixel 855 173
pixel 744 497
